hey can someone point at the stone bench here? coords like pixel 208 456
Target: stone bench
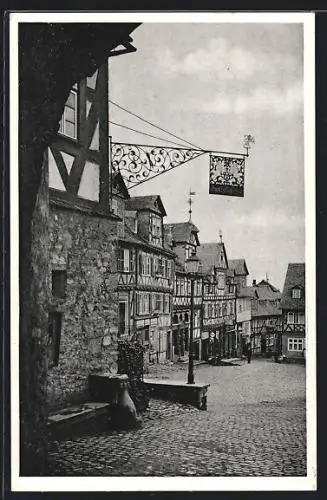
pixel 70 420
pixel 174 390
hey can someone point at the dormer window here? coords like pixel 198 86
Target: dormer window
pixel 155 230
pixel 296 293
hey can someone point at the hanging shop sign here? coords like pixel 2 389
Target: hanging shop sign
pixel 226 175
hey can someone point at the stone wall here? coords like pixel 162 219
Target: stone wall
pixel 85 246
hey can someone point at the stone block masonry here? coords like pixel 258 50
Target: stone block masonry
pixel 84 247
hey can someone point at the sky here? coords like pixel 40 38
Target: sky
pixel 211 84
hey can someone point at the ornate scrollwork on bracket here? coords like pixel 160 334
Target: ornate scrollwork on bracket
pixel 140 163
pixel 226 175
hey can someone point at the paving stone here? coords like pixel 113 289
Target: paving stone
pixel 254 426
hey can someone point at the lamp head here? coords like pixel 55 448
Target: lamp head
pixel 192 264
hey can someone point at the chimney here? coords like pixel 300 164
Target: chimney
pixel 254 282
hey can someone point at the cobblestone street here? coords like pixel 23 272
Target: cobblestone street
pixel 254 426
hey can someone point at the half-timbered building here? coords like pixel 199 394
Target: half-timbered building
pixel 145 278
pixel 238 271
pixel 183 239
pixel 83 226
pixel 218 335
pixel 266 317
pixel 292 341
pixel 244 298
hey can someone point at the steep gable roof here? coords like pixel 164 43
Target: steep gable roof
pixel 239 266
pixel 266 283
pixel 119 186
pixel 180 232
pixel 152 203
pixel 212 255
pixel 295 278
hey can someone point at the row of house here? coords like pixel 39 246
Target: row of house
pixel 118 272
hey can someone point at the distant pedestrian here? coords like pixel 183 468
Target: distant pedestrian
pixel 248 352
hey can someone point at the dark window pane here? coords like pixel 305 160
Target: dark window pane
pixel 55 321
pixel 59 279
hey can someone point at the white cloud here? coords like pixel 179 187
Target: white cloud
pixel 226 61
pixel 261 219
pixel 261 99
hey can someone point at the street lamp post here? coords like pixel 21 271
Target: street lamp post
pixel 191 267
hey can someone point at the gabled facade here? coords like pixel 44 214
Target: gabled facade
pixel 183 239
pixel 239 272
pixel 145 278
pixel 218 319
pixel 266 317
pixel 292 342
pixel 244 299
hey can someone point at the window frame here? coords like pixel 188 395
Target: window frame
pixel 156 233
pixel 296 291
pixel 62 128
pixel 61 283
pixel 295 341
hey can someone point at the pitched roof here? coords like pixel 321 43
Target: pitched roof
pixel 265 282
pixel 295 277
pixel 266 310
pixel 266 291
pixel 246 291
pixel 152 202
pixel 239 266
pixel 181 231
pixel 209 255
pixel 119 185
pixel 135 239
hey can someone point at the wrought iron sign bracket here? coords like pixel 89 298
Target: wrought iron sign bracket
pixel 138 163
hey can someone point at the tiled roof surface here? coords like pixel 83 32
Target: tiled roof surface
pixel 295 277
pixel 246 291
pixel 209 254
pixel 239 265
pixel 135 239
pixel 180 231
pixel 146 203
pixel 265 282
pixel 266 310
pixel 265 291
